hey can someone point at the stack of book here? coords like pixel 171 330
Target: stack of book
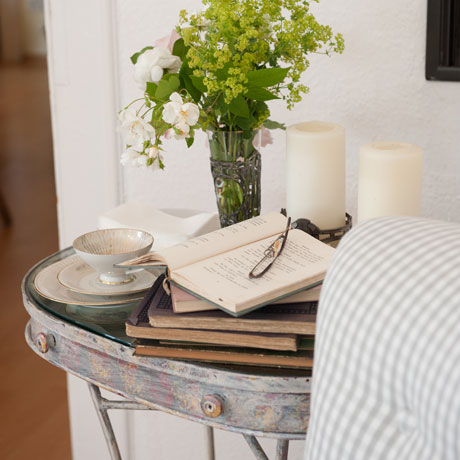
pixel 208 309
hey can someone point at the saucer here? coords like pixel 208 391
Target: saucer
pixel 78 276
pixel 46 283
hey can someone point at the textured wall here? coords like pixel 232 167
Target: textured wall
pixel 377 90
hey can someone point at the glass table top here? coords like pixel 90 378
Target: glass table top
pixel 107 321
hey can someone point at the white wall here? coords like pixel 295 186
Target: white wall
pixel 376 89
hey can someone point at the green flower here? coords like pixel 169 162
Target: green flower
pixel 231 38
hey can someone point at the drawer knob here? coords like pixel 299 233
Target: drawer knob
pixel 212 405
pixel 45 342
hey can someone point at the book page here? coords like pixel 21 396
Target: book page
pixel 224 279
pixel 217 242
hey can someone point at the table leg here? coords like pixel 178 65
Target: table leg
pixel 282 447
pixel 101 404
pixel 255 447
pixel 210 449
pixel 105 422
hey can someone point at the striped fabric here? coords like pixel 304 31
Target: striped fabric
pixel 386 381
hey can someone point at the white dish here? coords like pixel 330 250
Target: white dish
pixel 46 283
pixel 102 249
pixel 80 277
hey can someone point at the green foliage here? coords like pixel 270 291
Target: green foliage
pixel 260 94
pixel 198 83
pixel 239 106
pixel 236 46
pixel 151 89
pixel 179 48
pixel 270 124
pixel 237 55
pixel 266 77
pixel 166 86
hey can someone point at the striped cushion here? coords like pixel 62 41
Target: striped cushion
pixel 386 381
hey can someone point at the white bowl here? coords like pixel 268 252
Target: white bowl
pixel 102 249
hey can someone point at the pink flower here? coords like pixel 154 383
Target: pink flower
pixel 263 138
pixel 168 41
pixel 266 137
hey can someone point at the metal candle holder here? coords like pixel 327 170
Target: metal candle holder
pixel 327 236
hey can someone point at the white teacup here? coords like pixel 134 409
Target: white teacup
pixel 102 249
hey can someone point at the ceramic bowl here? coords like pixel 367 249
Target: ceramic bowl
pixel 102 249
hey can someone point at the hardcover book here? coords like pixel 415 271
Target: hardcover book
pixel 215 266
pixel 138 326
pixel 294 359
pixel 297 318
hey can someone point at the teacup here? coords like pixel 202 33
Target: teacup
pixel 102 249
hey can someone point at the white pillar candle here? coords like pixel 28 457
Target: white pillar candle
pixel 315 173
pixel 390 180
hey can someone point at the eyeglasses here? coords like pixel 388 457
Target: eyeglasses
pixel 271 254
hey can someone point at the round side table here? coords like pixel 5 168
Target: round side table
pixel 91 344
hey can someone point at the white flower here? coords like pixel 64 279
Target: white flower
pixel 142 160
pixel 182 130
pixel 190 113
pixel 151 65
pixel 179 131
pixel 169 133
pixel 127 115
pixel 153 151
pixel 176 111
pixel 135 129
pixel 130 158
pixel 138 159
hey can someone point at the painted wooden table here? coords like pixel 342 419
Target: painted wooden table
pixel 90 342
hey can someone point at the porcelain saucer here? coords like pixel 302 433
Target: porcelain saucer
pixel 78 276
pixel 46 283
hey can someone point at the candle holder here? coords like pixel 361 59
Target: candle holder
pixel 327 236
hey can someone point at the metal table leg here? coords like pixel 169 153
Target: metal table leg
pixel 105 422
pixel 210 449
pixel 255 447
pixel 102 405
pixel 282 447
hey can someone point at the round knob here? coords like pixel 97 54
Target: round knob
pixel 212 405
pixel 44 342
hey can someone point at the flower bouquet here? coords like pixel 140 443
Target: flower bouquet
pixel 216 72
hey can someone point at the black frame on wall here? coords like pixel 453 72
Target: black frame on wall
pixel 443 40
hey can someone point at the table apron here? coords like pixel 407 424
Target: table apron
pixel 266 412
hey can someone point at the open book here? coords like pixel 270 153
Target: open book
pixel 215 266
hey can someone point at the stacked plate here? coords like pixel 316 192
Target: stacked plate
pixel 72 281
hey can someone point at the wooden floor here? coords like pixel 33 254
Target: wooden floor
pixel 33 401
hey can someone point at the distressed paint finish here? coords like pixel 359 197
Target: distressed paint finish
pixel 270 406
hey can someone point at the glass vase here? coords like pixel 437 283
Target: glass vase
pixel 236 170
